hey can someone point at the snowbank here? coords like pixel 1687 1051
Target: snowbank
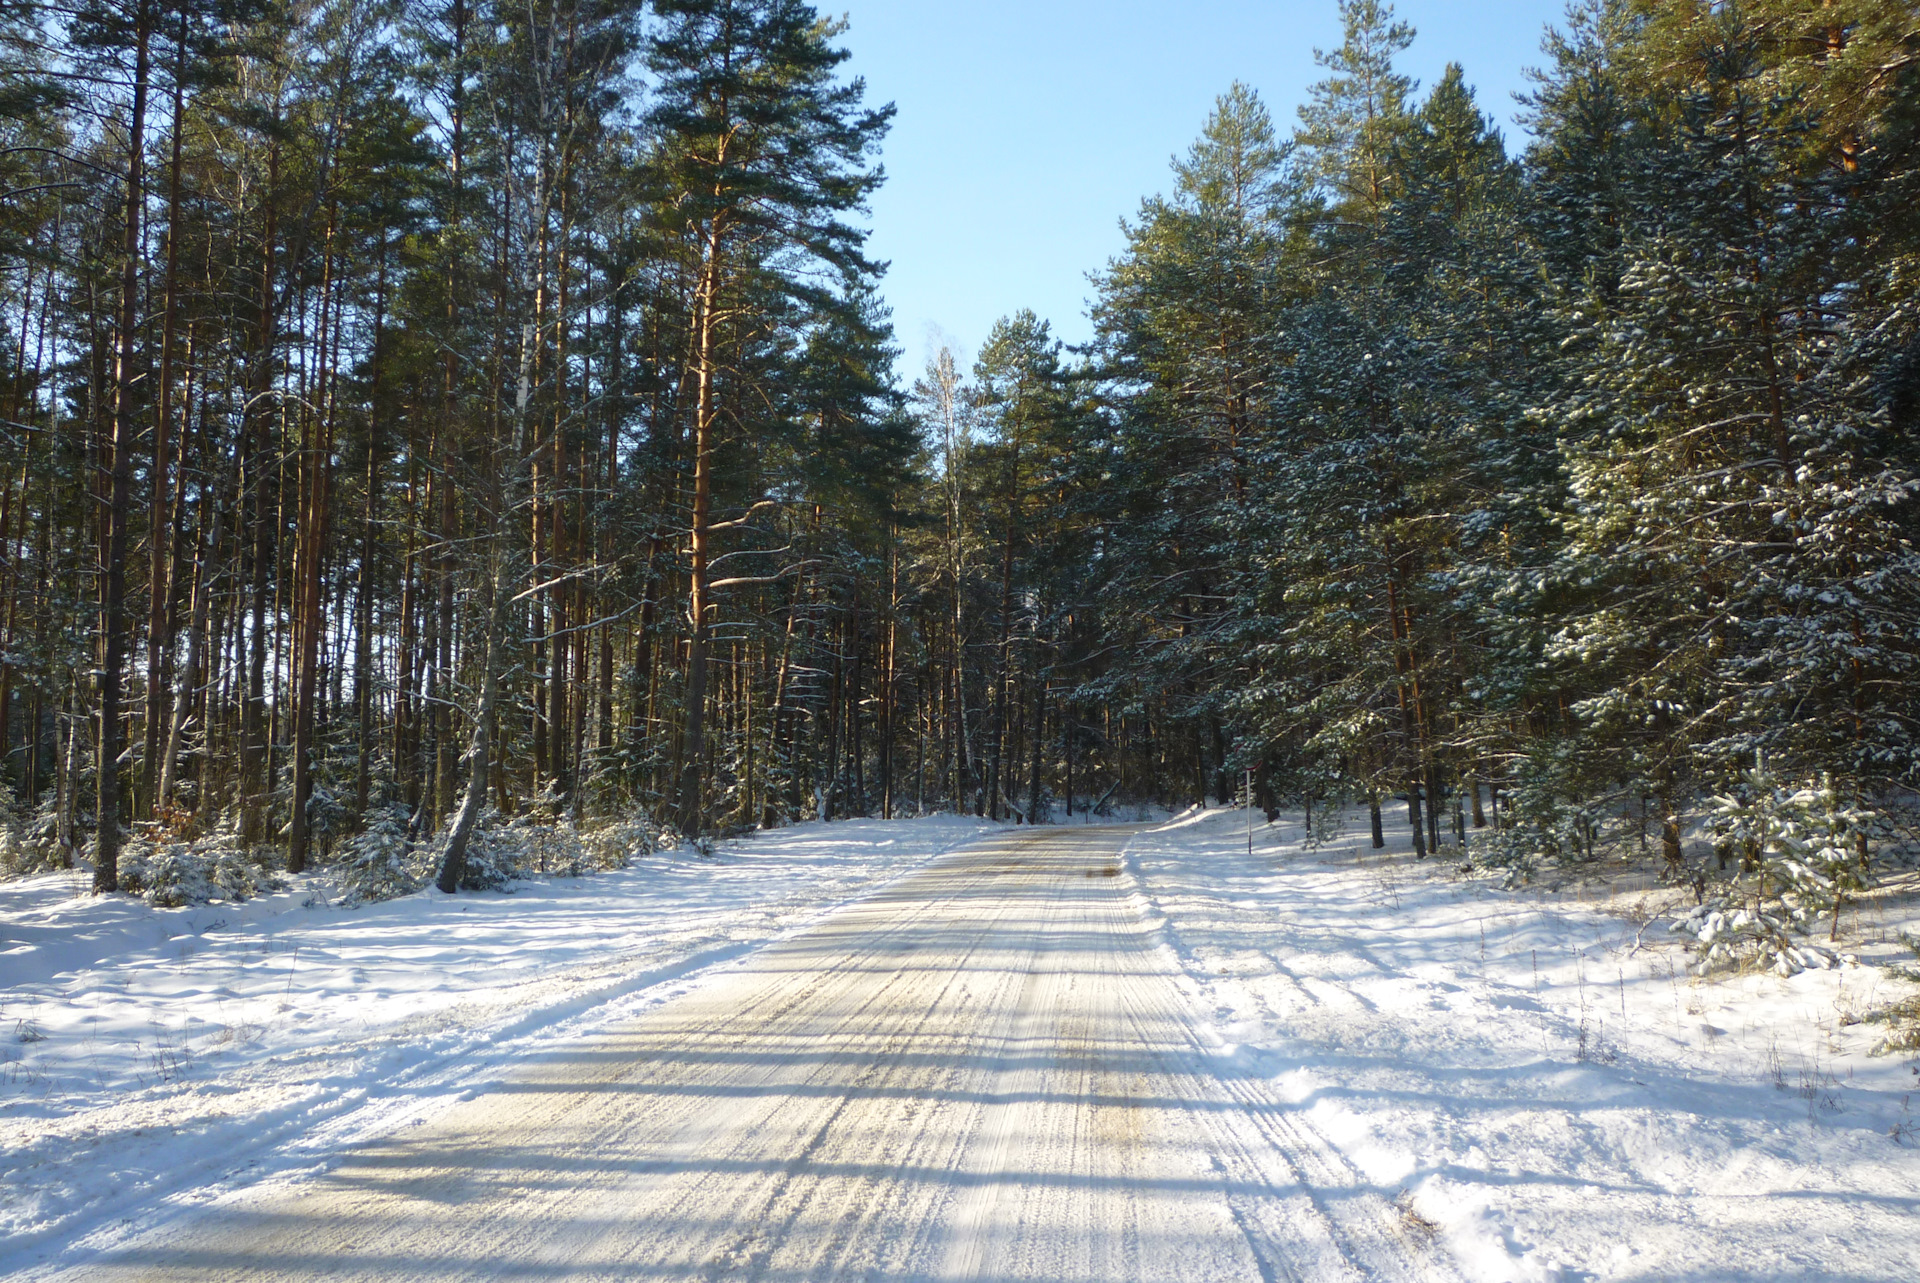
pixel 1545 1085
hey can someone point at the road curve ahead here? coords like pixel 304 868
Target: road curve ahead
pixel 987 1071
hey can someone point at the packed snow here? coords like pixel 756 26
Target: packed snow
pixel 1536 1083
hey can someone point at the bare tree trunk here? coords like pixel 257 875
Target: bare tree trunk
pixel 66 769
pixel 693 763
pixel 1434 791
pixel 444 763
pixel 510 566
pixel 405 714
pixel 824 799
pixel 1405 667
pixel 188 679
pixel 1038 744
pixel 314 507
pixel 1003 679
pixel 363 602
pixel 113 604
pixel 159 575
pixel 1066 747
pixel 857 757
pixel 253 746
pixel 890 642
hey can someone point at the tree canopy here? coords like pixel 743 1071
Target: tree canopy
pixel 425 417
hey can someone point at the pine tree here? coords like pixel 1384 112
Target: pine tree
pixel 763 153
pixel 1736 565
pixel 1186 318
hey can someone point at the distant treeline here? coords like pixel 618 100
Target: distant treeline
pixel 438 409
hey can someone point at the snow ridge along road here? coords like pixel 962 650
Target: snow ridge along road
pixel 988 1070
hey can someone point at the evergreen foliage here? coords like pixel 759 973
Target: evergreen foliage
pixel 1565 485
pixel 446 438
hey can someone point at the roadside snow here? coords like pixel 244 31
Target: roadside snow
pixel 147 1052
pixel 1545 1084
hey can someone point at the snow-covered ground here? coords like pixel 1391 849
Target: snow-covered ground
pixel 145 1052
pixel 1538 1081
pixel 1546 1081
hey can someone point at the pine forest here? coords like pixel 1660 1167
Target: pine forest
pixel 441 434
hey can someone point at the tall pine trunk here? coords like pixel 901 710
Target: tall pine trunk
pixel 705 415
pixel 509 567
pixel 160 616
pixel 113 590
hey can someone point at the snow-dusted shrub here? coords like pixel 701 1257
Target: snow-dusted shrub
pixel 1804 843
pixel 542 839
pixel 1513 853
pixel 1543 823
pixel 170 874
pixel 26 844
pixel 1902 1017
pixel 1327 827
pixel 534 844
pixel 1800 852
pixel 493 863
pixel 328 816
pixel 1729 934
pixel 21 855
pixel 496 852
pixel 380 862
pixel 613 846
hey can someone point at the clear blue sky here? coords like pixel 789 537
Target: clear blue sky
pixel 1028 128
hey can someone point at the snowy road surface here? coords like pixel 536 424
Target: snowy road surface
pixel 988 1070
pixel 935 1048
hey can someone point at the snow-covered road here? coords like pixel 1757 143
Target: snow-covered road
pixel 933 1049
pixel 989 1070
